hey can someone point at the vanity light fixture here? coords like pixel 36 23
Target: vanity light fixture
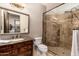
pixel 18 5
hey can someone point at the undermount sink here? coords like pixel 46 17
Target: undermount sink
pixel 17 39
pixel 12 40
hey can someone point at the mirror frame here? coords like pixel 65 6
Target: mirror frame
pixel 19 13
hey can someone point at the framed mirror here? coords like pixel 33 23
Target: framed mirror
pixel 13 22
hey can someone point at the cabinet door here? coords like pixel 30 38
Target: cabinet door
pixel 26 50
pixel 14 52
pixel 23 51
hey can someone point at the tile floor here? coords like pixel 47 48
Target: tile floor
pixel 60 51
pixel 50 53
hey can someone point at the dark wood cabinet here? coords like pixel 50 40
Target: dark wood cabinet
pixel 24 48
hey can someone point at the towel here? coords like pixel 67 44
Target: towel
pixel 75 38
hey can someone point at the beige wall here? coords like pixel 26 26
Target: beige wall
pixel 0 21
pixel 35 11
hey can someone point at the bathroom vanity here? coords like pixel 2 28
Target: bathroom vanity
pixel 17 48
pixel 13 22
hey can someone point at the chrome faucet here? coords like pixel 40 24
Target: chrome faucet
pixel 18 36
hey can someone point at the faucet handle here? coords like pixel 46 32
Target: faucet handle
pixel 18 36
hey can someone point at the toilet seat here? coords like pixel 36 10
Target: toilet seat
pixel 42 48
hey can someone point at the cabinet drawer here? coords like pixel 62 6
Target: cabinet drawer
pixel 28 42
pixel 17 45
pixel 5 48
pixel 10 53
pixel 7 53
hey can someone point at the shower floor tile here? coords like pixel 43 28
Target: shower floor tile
pixel 59 51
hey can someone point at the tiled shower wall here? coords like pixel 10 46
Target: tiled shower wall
pixel 58 30
pixel 66 32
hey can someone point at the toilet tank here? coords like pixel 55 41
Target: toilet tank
pixel 38 40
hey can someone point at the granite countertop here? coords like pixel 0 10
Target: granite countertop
pixel 27 38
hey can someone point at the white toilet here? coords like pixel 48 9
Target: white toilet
pixel 41 48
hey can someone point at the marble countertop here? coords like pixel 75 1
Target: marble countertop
pixel 27 38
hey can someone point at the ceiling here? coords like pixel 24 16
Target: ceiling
pixel 65 7
pixel 50 5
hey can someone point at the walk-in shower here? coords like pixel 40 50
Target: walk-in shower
pixel 58 25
